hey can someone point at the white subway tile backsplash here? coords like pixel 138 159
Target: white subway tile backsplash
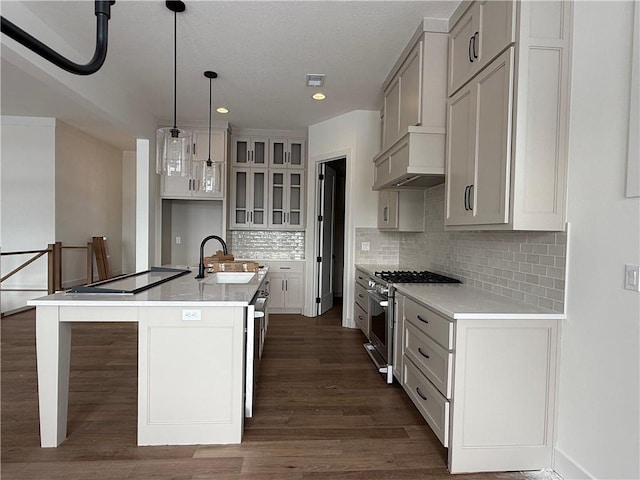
pixel 267 244
pixel 526 266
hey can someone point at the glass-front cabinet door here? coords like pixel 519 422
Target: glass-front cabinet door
pixel 249 198
pixel 297 154
pixel 286 200
pixel 250 152
pixel 287 153
pixel 295 188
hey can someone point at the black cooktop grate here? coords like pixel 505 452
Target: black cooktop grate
pixel 414 277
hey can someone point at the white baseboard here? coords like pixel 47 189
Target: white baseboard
pixel 568 468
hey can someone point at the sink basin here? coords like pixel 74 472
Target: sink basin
pixel 230 277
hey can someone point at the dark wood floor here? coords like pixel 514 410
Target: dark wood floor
pixel 322 413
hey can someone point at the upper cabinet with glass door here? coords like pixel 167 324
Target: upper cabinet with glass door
pixel 250 152
pixel 287 153
pixel 286 199
pixel 248 198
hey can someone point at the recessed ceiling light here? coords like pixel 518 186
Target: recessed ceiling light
pixel 315 79
pixel 319 96
pixel 222 110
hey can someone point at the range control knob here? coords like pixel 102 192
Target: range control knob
pixel 372 284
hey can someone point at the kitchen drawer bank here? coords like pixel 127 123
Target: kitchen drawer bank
pixel 185 326
pixel 481 369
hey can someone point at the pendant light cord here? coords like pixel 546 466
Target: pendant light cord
pixel 209 160
pixel 175 69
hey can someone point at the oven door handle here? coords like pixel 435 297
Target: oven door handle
pixel 382 301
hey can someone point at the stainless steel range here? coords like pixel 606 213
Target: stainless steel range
pixel 381 294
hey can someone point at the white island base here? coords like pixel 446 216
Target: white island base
pixel 190 372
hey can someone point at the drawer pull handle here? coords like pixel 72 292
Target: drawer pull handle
pixel 360 295
pixel 420 393
pixel 422 319
pixel 422 353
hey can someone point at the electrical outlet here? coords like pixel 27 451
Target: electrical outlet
pixel 191 315
pixel 178 240
pixel 366 246
pixel 631 277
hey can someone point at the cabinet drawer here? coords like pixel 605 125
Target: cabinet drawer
pixel 362 278
pixel 362 319
pixel 433 361
pixel 362 298
pixel 286 267
pixel 437 327
pixel 430 403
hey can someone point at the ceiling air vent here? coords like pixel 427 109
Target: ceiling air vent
pixel 315 79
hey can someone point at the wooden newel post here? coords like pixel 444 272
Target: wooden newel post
pixel 58 265
pixel 89 262
pixel 50 269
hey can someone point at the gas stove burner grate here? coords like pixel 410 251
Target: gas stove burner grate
pixel 414 277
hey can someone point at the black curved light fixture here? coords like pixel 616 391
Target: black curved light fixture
pixel 103 14
pixel 211 174
pixel 174 144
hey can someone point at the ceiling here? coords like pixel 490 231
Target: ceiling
pixel 261 50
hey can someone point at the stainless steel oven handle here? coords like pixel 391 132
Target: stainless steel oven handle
pixel 382 301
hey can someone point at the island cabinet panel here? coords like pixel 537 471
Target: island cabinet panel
pixel 190 376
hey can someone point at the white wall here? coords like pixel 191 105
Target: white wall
pixel 108 107
pixel 129 212
pixel 599 401
pixel 88 198
pixel 356 136
pixel 27 210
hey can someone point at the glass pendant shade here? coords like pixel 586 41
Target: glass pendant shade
pixel 211 177
pixel 174 152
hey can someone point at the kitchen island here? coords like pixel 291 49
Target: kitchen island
pixel 191 356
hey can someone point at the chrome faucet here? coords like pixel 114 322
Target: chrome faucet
pixel 201 265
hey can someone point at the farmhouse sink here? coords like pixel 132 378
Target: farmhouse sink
pixel 230 277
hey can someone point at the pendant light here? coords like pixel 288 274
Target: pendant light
pixel 174 144
pixel 211 170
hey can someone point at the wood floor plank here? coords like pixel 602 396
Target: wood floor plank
pixel 322 412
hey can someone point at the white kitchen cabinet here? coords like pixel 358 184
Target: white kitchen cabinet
pixel 287 153
pixel 485 385
pixel 286 287
pixel 507 126
pixel 286 199
pixel 413 115
pixel 361 304
pixel 249 151
pixel 415 89
pixel 479 147
pixel 189 188
pixel 483 32
pixel 249 198
pixel 402 211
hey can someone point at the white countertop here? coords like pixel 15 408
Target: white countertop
pixel 462 302
pixel 181 291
